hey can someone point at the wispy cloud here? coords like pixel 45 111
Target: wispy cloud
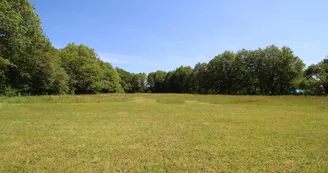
pixel 58 45
pixel 115 58
pixel 167 61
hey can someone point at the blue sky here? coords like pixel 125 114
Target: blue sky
pixel 147 35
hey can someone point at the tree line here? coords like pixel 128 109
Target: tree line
pixel 30 65
pixel 269 71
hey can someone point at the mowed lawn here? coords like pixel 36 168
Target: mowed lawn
pixel 164 133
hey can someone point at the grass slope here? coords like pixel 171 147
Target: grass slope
pixel 163 133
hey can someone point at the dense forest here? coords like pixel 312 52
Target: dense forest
pixel 30 65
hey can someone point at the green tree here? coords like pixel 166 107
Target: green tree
pixel 290 70
pixel 178 80
pixel 156 81
pixel 110 79
pixel 23 45
pixel 87 73
pixel 319 72
pixel 278 70
pixel 4 66
pixel 139 83
pixel 198 79
pixel 222 73
pixel 271 71
pixel 126 80
pixel 248 71
pixel 47 74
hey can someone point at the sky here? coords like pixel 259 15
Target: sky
pixel 150 35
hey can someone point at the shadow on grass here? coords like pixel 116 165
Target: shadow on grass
pixel 67 99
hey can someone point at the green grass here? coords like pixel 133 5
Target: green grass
pixel 163 133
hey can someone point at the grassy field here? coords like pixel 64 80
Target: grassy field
pixel 163 133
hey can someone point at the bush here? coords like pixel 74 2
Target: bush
pixel 9 92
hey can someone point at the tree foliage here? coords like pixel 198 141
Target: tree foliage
pixel 30 65
pixel 269 71
pixel 156 81
pixel 318 75
pixel 131 82
pixel 87 73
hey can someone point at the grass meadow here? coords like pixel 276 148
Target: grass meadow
pixel 163 133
